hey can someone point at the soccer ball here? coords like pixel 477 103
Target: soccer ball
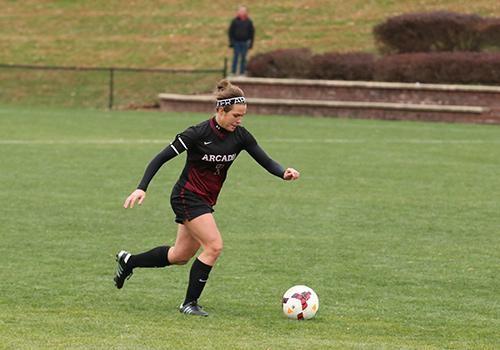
pixel 300 303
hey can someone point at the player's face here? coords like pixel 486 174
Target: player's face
pixel 230 120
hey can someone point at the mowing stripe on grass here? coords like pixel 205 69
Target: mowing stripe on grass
pixel 278 140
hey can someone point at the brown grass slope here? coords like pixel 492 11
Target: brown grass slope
pixel 191 34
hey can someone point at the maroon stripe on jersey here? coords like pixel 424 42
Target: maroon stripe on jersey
pixel 204 183
pixel 215 129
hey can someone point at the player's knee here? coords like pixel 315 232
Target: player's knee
pixel 182 262
pixel 181 258
pixel 215 249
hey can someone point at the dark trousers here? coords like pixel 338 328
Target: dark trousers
pixel 240 54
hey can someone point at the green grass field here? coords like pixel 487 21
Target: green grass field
pixel 394 224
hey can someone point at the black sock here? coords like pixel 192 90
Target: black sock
pixel 197 279
pixel 156 257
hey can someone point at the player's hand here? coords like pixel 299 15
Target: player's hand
pixel 137 195
pixel 291 174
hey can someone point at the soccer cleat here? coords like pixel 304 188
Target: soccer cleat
pixel 122 271
pixel 192 308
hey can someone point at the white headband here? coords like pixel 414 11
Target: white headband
pixel 230 101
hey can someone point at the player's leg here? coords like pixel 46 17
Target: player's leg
pixel 204 229
pixel 156 257
pixel 184 249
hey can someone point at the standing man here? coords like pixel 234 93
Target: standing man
pixel 241 35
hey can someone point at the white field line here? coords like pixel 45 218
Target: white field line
pixel 83 142
pixel 274 140
pixel 402 141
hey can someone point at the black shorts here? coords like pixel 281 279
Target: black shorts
pixel 187 205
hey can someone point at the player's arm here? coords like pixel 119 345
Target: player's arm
pixel 257 153
pixel 171 151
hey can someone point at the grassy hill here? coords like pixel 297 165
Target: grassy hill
pixel 191 34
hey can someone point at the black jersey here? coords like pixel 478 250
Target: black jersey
pixel 210 152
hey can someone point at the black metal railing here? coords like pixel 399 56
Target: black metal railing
pixel 18 85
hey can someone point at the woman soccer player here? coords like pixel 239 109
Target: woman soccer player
pixel 211 147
